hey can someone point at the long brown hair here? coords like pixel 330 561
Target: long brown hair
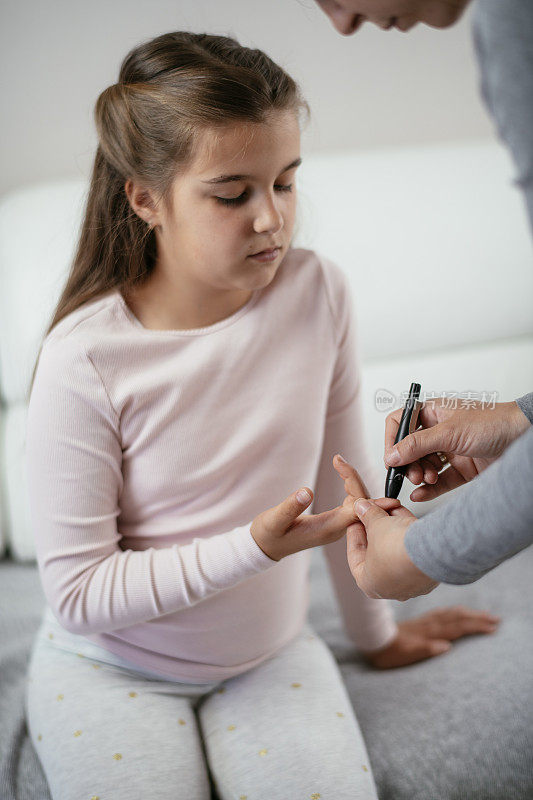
pixel 168 90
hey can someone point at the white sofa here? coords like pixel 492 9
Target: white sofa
pixel 437 247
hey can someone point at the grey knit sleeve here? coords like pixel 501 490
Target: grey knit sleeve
pixel 489 520
pixel 525 403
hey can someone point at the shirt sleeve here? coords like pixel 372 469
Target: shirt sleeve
pixel 525 404
pixel 369 623
pixel 489 521
pixel 73 467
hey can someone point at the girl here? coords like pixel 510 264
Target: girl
pixel 196 368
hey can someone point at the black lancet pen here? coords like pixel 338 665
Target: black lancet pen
pixel 395 475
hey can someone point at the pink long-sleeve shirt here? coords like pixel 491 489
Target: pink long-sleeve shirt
pixel 150 452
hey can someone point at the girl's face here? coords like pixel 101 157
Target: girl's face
pixel 236 199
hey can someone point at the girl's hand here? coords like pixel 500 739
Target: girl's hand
pixel 284 529
pixel 430 635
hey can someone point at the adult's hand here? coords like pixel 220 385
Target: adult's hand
pixel 375 548
pixel 469 438
pixel 382 568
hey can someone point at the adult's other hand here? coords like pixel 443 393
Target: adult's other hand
pixel 468 438
pixel 375 550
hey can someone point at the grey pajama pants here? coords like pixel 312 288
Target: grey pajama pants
pixel 284 730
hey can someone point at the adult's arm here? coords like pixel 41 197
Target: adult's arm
pixel 489 520
pixel 492 518
pixel 503 39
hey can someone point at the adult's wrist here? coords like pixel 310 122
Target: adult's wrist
pixel 415 581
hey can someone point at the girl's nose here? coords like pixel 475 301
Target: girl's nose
pixel 268 219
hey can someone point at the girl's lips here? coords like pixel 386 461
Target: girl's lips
pixel 266 255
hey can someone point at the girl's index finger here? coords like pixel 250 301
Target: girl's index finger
pixel 353 483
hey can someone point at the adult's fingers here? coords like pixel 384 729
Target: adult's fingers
pixel 392 423
pixel 368 512
pixel 387 503
pixel 426 469
pixel 435 462
pixel 356 549
pixel 420 443
pixel 422 470
pixel 448 479
pixel 402 512
pixel 427 418
pixel 356 544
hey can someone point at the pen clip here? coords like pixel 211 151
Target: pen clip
pixel 413 422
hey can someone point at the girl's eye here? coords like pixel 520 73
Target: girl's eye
pixel 233 201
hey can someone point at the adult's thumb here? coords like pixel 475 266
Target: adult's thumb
pixel 368 511
pixel 418 444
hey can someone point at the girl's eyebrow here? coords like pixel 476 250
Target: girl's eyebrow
pixel 228 178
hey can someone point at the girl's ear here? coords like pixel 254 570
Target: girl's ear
pixel 141 201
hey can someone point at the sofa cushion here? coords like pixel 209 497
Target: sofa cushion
pixel 434 238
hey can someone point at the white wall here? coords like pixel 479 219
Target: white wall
pixel 374 89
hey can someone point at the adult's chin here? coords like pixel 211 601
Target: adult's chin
pixel 442 15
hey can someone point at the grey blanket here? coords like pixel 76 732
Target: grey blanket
pixel 457 727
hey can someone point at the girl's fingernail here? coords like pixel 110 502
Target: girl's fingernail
pixel 303 497
pixel 341 458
